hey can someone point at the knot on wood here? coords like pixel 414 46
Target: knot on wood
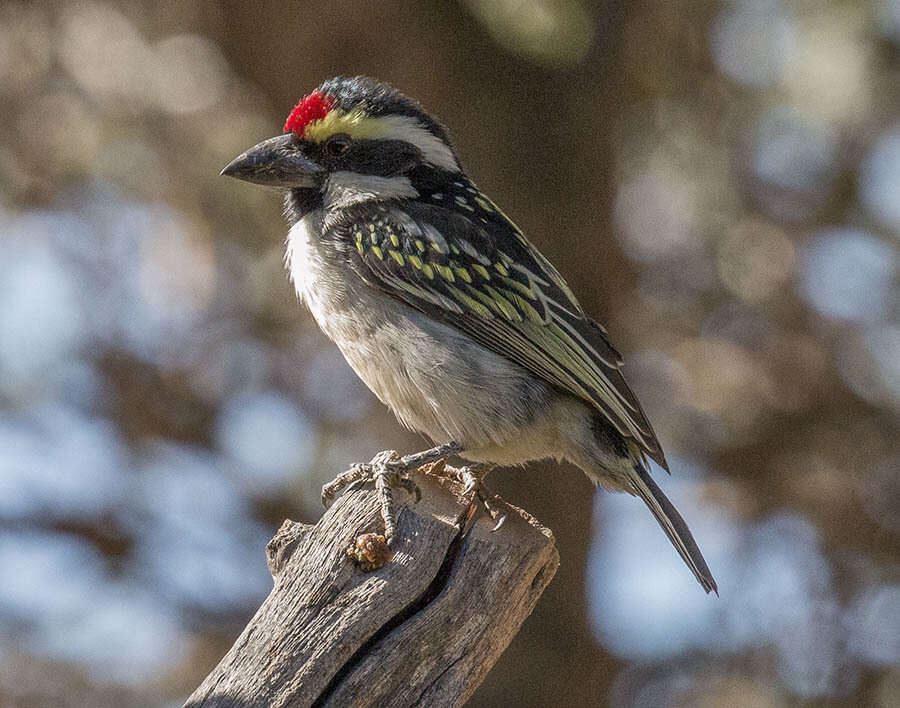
pixel 283 544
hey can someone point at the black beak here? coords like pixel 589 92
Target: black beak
pixel 276 162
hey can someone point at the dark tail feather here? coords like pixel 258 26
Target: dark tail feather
pixel 674 526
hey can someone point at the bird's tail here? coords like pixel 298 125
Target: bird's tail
pixel 674 526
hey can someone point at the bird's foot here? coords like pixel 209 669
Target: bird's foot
pixel 387 470
pixel 471 477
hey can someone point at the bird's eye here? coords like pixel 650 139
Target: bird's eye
pixel 338 144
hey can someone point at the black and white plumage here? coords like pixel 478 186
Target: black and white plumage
pixel 441 305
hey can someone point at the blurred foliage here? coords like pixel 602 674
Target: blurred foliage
pixel 719 182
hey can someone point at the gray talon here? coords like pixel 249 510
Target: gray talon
pixel 387 470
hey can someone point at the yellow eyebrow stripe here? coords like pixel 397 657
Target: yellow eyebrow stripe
pixel 355 123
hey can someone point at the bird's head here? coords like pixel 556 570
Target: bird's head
pixel 350 140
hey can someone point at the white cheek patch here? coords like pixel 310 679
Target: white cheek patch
pixel 346 188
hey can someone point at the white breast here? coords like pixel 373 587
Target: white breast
pixel 334 298
pixel 302 257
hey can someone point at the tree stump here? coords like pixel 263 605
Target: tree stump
pixel 424 629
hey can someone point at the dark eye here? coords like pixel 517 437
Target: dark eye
pixel 337 144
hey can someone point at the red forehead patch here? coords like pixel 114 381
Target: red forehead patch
pixel 312 107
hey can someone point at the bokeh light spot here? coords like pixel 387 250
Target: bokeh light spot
pixel 847 274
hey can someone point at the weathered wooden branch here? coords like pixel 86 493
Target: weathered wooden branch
pixel 424 629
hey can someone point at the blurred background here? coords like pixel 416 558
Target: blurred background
pixel 720 183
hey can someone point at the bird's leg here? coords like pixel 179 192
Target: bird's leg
pixel 388 470
pixel 386 478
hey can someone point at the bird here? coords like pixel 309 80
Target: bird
pixel 441 305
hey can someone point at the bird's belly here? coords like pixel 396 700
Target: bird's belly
pixel 436 380
pixel 440 383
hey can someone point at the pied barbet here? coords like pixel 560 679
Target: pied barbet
pixel 441 305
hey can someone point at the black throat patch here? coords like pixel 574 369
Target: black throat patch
pixel 300 202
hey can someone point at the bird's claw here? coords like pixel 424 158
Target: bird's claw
pixel 387 470
pixel 387 465
pixel 497 507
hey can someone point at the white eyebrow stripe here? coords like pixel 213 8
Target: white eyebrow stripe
pixel 408 128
